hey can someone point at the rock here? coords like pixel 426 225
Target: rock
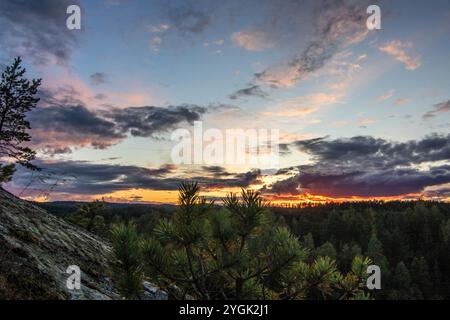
pixel 36 249
pixel 153 293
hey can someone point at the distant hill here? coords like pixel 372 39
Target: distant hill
pixel 66 207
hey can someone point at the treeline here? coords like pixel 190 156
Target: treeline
pixel 99 216
pixel 410 241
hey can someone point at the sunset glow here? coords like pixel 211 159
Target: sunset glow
pixel 362 113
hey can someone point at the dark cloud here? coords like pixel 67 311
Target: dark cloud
pixel 86 178
pixel 365 166
pixel 64 96
pixel 285 170
pixel 55 129
pixel 216 171
pixel 98 78
pixel 248 178
pixel 187 18
pixel 241 180
pixel 283 149
pixel 37 29
pixel 146 121
pixel 60 128
pixel 437 109
pixel 369 152
pixel 382 183
pixel 252 90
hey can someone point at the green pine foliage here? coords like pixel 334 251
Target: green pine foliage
pixel 235 252
pixel 127 260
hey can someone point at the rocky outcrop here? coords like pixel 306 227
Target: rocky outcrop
pixel 36 249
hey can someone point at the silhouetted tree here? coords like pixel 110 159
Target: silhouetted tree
pixel 17 97
pixel 89 216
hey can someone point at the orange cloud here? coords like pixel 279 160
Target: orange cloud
pixel 302 106
pixel 397 50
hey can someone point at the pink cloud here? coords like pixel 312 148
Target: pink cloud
pixel 251 40
pixel 398 50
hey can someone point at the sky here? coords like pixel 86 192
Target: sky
pixel 360 114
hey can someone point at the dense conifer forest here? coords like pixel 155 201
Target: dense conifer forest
pixel 410 241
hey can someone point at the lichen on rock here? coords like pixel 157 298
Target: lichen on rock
pixel 36 249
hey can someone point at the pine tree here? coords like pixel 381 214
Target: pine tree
pixel 89 216
pixel 401 281
pixel 445 232
pixel 237 252
pixel 17 97
pixel 347 255
pixel 326 250
pixel 6 172
pixel 127 261
pixel 375 253
pixel 308 243
pixel 420 276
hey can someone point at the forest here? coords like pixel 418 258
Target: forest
pixel 409 241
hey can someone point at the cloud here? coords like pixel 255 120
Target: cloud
pixel 364 122
pixel 219 42
pixel 370 152
pixel 149 120
pixel 216 171
pixel 37 30
pixel 252 90
pixel 160 28
pixel 337 25
pixel 86 178
pixel 298 112
pixel 397 50
pixel 61 128
pixel 303 105
pixel 83 178
pixel 395 182
pixel 251 40
pixel 369 167
pixel 187 19
pixel 401 101
pixel 437 109
pixel 98 78
pixel 155 43
pixel 158 33
pixel 57 129
pixel 387 95
pixel 362 57
pixel 64 95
